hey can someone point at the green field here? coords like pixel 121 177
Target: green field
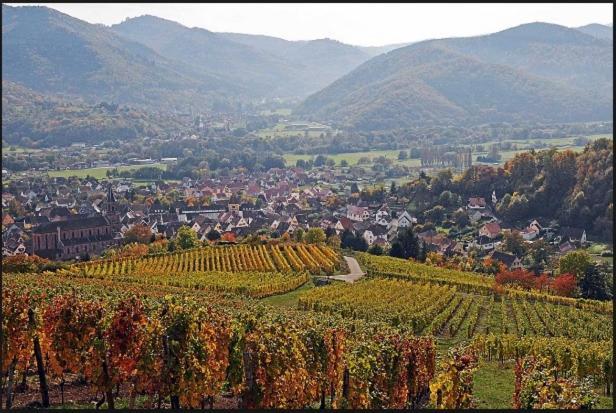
pixel 523 146
pixel 283 129
pixel 353 157
pixel 281 112
pixel 18 149
pixel 100 173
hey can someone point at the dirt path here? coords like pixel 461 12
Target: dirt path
pixel 355 271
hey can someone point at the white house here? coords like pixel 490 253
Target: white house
pixel 406 220
pixel 373 233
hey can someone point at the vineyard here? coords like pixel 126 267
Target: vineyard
pixel 186 350
pixel 247 283
pixel 427 308
pixel 189 328
pixel 381 266
pixel 316 259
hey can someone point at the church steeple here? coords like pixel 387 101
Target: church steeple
pixel 111 200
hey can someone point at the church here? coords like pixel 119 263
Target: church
pixel 78 236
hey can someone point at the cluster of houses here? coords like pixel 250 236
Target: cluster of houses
pixel 490 235
pixel 78 218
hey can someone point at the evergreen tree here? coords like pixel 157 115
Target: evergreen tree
pixel 407 245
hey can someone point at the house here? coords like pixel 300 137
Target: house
pixel 511 261
pixel 405 220
pixel 13 246
pixel 490 230
pixel 356 213
pixel 72 238
pixel 483 242
pixel 476 203
pixel 572 234
pixel 373 233
pixel 382 213
pixel 529 233
pixel 59 214
pixel 535 225
pixel 32 221
pixel 7 219
pixel 343 224
pixel 566 247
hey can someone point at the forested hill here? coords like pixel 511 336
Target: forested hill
pixel 51 52
pixel 534 72
pixel 599 31
pixel 29 117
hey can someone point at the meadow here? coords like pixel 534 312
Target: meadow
pixel 101 173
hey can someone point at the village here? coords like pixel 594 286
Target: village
pixel 78 219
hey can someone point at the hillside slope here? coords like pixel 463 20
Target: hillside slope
pixel 536 72
pixel 265 65
pixel 600 31
pixel 51 52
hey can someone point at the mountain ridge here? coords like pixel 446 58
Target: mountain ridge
pixel 519 82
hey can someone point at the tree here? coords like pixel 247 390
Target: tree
pixel 320 160
pixel 403 155
pixel 595 284
pixel 514 243
pixel 354 188
pixel 315 236
pixel 539 255
pixel 406 245
pixel 461 218
pixel 375 249
pixel 346 239
pixel 187 238
pixel 575 262
pixel 213 235
pixel 360 244
pixel 435 214
pixel 330 232
pixel 334 241
pixel 298 235
pixel 344 163
pixel 138 233
pixel 565 285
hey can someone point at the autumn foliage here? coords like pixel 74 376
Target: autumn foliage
pixel 138 233
pixel 563 285
pixel 23 263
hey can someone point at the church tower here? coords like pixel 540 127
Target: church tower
pixel 111 206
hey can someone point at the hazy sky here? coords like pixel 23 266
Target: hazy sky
pixel 359 24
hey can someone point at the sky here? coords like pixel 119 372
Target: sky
pixel 362 24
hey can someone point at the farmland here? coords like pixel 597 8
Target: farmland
pixel 444 307
pixel 352 158
pixel 100 173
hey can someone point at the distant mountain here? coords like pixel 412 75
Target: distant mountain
pixel 600 31
pixel 51 52
pixel 377 50
pixel 535 72
pixel 259 72
pixel 161 64
pixel 320 61
pixel 266 65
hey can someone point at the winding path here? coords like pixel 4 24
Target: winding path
pixel 355 271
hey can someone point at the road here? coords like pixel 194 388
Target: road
pixel 355 271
